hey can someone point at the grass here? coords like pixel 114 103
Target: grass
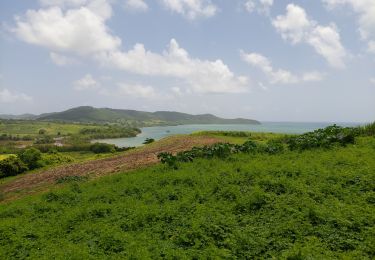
pixel 31 127
pixel 316 204
pixel 239 137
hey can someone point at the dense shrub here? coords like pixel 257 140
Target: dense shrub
pixel 31 157
pixel 323 138
pixel 44 140
pixel 219 150
pixel 11 166
pixel 102 148
pixel 149 141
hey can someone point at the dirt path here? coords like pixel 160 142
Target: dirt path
pixel 32 183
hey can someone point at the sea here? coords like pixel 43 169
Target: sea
pixel 159 132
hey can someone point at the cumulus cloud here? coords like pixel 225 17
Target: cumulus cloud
pixel 81 30
pixel 262 6
pixel 366 14
pixel 275 76
pixel 191 9
pixel 201 76
pixel 86 83
pixel 136 5
pixel 296 27
pixel 7 96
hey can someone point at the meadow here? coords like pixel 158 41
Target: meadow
pixel 302 203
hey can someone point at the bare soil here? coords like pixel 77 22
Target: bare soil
pixel 141 157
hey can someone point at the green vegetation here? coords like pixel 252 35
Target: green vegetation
pixel 250 201
pixel 16 135
pixel 137 118
pixel 149 141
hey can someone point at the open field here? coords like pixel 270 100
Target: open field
pixel 31 127
pixel 313 204
pixel 26 184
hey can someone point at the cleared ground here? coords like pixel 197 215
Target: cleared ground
pixel 30 183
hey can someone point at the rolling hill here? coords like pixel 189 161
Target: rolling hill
pixel 87 114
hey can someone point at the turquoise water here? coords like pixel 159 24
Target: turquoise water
pixel 159 132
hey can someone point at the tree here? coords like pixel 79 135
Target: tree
pixel 31 157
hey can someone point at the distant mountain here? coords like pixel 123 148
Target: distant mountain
pixel 87 114
pixel 19 117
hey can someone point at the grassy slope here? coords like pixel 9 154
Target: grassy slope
pixel 316 203
pixel 32 128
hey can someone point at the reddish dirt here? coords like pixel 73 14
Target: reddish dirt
pixel 32 183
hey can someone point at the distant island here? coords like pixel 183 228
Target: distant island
pixel 88 114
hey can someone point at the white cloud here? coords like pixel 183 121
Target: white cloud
pixel 81 30
pixel 275 76
pixel 262 6
pixel 326 42
pixel 63 3
pixel 191 9
pixel 61 60
pixel 136 5
pixel 366 11
pixel 296 27
pixel 86 83
pixel 7 96
pixel 200 76
pixel 372 80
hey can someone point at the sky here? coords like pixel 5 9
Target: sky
pixel 270 60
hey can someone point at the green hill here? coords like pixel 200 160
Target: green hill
pixel 309 204
pixel 107 115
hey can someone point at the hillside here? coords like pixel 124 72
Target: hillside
pixel 140 118
pixel 247 206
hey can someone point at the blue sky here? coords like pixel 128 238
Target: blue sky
pixel 263 59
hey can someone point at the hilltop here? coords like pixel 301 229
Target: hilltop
pixel 88 114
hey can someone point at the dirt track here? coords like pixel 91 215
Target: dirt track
pixel 31 183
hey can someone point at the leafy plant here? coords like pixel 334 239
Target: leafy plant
pixel 11 166
pixel 31 157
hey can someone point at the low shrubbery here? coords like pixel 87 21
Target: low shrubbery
pixel 324 138
pixel 102 148
pixel 220 150
pixel 11 166
pixel 31 157
pixel 321 138
pixel 149 141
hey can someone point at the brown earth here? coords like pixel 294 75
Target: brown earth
pixel 141 157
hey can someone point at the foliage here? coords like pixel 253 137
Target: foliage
pixel 102 148
pixel 369 129
pixel 11 166
pixel 323 138
pixel 31 157
pixel 149 141
pixel 220 150
pixel 310 204
pixel 46 139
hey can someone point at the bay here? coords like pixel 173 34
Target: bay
pixel 159 132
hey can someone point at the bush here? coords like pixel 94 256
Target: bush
pixel 103 148
pixel 31 157
pixel 149 141
pixel 11 166
pixel 323 138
